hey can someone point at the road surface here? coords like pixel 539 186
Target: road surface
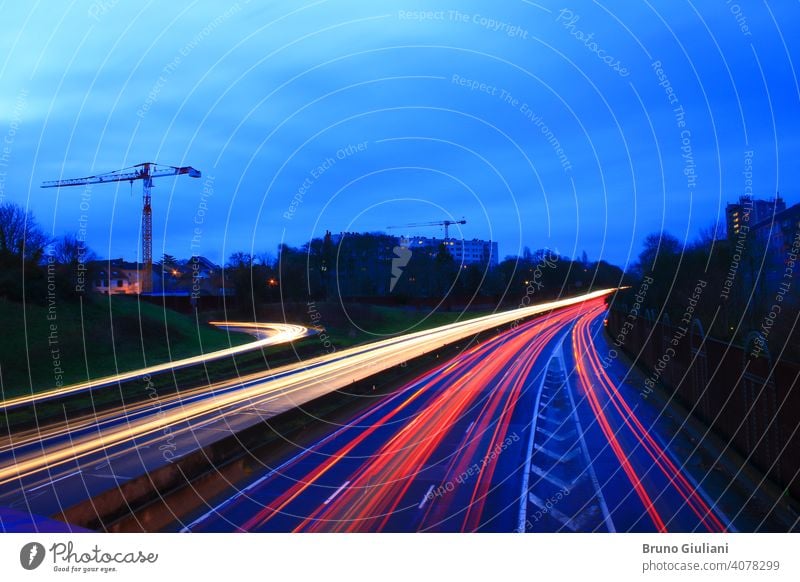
pixel 49 470
pixel 524 432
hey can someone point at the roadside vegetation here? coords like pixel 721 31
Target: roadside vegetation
pixel 45 346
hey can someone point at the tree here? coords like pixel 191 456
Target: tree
pixel 69 251
pixel 445 271
pixel 660 250
pixel 660 259
pixel 20 236
pixel 710 234
pixel 22 245
pixel 254 279
pixel 170 263
pixel 72 258
pixel 240 260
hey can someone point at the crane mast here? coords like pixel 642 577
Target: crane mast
pixel 147 234
pixel 144 172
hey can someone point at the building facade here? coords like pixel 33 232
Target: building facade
pixel 467 252
pixel 749 211
pixel 779 236
pixel 116 277
pixel 197 276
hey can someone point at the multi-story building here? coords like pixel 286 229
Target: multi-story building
pixel 779 236
pixel 468 252
pixel 749 211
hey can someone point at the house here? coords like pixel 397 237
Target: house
pixel 116 277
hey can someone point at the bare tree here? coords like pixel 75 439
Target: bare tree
pixel 659 253
pixel 708 235
pixel 68 250
pixel 20 236
pixel 240 260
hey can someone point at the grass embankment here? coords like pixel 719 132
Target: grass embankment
pixel 41 348
pixel 355 324
pixel 383 322
pixel 143 334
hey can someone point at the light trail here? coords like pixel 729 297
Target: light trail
pixel 285 389
pixel 437 438
pixel 431 379
pixel 503 398
pixel 584 351
pixel 273 334
pixel 364 506
pixel 581 346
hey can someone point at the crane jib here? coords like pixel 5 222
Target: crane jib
pixel 119 176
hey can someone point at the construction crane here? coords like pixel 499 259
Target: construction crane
pixel 445 223
pixel 144 172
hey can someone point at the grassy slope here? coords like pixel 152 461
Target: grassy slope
pixel 383 322
pixel 126 352
pixel 119 335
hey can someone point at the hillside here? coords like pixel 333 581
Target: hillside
pixel 42 347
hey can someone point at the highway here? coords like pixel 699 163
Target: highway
pixel 45 471
pixel 523 433
pixel 666 494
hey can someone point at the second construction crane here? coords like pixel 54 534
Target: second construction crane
pixel 445 223
pixel 145 172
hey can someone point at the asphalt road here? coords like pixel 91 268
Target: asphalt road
pixel 646 488
pixel 46 471
pixel 427 458
pixel 525 432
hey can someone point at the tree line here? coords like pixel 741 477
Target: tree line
pixel 730 285
pixel 371 266
pixel 348 267
pixel 31 262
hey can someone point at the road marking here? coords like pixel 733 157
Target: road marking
pixel 523 497
pixel 558 457
pixel 551 435
pixel 585 449
pixel 111 476
pixel 335 493
pixel 560 483
pixel 49 483
pixel 550 420
pixel 425 497
pixel 555 513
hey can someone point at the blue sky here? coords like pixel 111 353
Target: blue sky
pixel 459 108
